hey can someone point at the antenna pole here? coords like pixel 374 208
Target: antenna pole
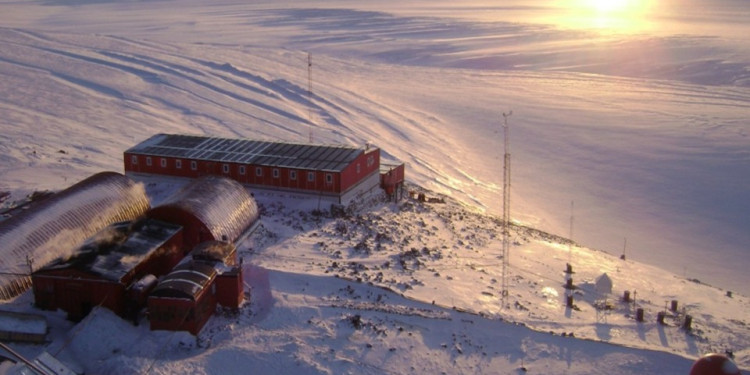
pixel 309 93
pixel 570 244
pixel 506 208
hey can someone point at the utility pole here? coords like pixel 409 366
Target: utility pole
pixel 309 94
pixel 506 208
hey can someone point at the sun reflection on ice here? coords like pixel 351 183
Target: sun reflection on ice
pixel 609 16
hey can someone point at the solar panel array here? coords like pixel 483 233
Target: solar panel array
pixel 246 151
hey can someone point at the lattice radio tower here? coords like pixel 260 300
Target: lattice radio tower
pixel 506 208
pixel 309 94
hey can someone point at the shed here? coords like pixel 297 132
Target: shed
pixel 210 208
pixel 56 226
pixel 185 299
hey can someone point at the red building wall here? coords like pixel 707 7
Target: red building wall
pixel 274 177
pixel 194 231
pixel 364 165
pixel 229 288
pixel 182 314
pixel 76 292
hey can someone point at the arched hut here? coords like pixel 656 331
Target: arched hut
pixel 56 226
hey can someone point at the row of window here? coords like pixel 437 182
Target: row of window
pixel 242 169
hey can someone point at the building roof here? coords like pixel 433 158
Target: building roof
pixel 56 226
pixel 245 151
pixel 185 281
pixel 223 205
pixel 116 250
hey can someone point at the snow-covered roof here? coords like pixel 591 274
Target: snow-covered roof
pixel 186 280
pixel 223 205
pixel 116 250
pixel 55 227
pixel 246 151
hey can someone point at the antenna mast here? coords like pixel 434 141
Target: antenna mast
pixel 506 208
pixel 309 94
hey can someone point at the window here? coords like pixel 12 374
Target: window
pixel 148 161
pixel 178 164
pixel 358 168
pixel 311 176
pixel 292 175
pixel 225 168
pixel 259 171
pixel 370 160
pixel 134 160
pixel 329 178
pixel 194 165
pixel 242 170
pixel 275 173
pixel 163 162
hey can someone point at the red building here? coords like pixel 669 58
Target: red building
pixel 114 269
pixel 335 172
pixel 187 297
pixel 210 208
pixel 392 180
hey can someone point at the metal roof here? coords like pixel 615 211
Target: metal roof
pixel 245 151
pixel 116 250
pixel 56 226
pixel 223 205
pixel 185 281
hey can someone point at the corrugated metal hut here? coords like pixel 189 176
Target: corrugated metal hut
pixel 185 299
pixel 55 227
pixel 112 269
pixel 211 208
pixel 334 172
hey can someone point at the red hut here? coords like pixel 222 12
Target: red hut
pixel 211 208
pixel 185 299
pixel 229 287
pixel 112 269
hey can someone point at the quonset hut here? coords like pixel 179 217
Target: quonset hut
pixel 337 173
pixel 211 208
pixel 55 227
pixel 186 298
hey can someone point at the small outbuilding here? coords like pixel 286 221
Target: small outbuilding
pixel 187 297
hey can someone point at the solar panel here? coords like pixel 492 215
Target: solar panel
pixel 247 151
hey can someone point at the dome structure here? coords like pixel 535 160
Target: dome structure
pixel 211 208
pixel 714 364
pixel 56 226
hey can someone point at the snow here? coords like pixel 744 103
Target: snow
pixel 643 125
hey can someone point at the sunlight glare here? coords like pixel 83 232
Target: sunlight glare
pixel 617 16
